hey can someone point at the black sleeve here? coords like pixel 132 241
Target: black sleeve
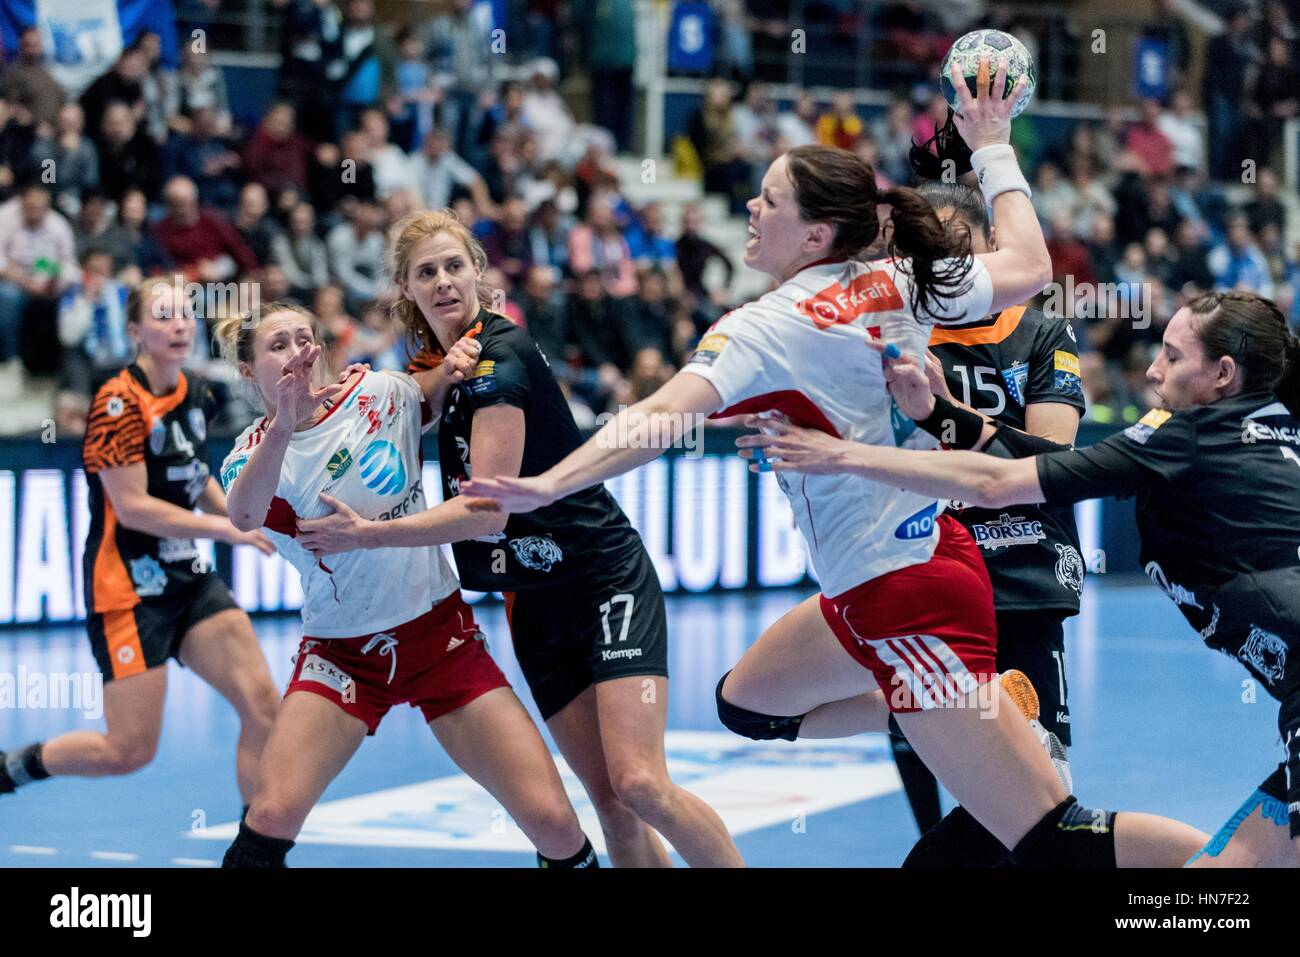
pixel 1157 450
pixel 1054 374
pixel 1009 443
pixel 500 376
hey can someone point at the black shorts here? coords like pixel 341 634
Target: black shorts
pixel 1034 642
pixel 1284 783
pixel 132 640
pixel 610 625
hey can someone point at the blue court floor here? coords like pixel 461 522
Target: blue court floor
pixel 1160 724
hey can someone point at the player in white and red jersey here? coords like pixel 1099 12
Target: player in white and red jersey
pixel 905 593
pixel 380 627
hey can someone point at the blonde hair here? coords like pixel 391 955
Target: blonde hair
pixel 236 334
pixel 409 232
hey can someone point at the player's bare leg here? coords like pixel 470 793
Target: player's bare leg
pixel 133 709
pixel 494 741
pixel 629 841
pixel 223 650
pixel 1254 837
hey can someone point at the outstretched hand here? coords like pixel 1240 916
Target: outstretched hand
pixel 790 448
pixel 504 494
pixel 985 118
pixel 295 399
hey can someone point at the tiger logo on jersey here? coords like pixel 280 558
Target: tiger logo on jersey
pixel 1266 653
pixel 537 552
pixel 1069 568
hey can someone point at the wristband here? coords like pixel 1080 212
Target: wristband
pixel 998 171
pixel 952 425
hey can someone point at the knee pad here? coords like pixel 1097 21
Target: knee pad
pixel 755 726
pixel 957 841
pixel 1069 835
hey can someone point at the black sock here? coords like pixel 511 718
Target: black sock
pixel 586 857
pixel 251 849
pixel 21 767
pixel 919 784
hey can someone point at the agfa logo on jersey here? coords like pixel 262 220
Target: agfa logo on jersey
pixel 148 576
pixel 706 353
pixel 1016 378
pixel 1143 428
pixel 920 525
pixel 1007 531
pixel 382 469
pixel 1066 376
pixel 1266 653
pixel 836 305
pixel 339 463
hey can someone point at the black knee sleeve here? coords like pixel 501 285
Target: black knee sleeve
pixel 1069 835
pixel 751 724
pixel 251 849
pixel 957 841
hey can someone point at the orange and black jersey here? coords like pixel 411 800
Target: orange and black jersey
pixel 1014 359
pixel 129 424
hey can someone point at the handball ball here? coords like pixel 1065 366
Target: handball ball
pixel 996 45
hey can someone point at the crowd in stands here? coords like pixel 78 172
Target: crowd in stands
pixel 155 177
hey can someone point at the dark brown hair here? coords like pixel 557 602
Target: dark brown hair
pixel 1254 332
pixel 837 187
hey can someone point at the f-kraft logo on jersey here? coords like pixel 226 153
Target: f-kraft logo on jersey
pixel 1142 429
pixel 75 909
pixel 838 305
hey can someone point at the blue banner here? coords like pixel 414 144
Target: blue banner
pixel 69 23
pixel 690 38
pixel 1151 69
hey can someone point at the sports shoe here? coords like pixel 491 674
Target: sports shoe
pixel 1021 689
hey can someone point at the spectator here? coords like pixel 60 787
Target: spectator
pixel 1145 140
pixel 507 245
pixel 645 238
pixel 544 313
pixel 378 341
pixel 713 134
pixel 649 371
pixel 1267 207
pixel 339 327
pixel 38 261
pixel 893 136
pixel 549 237
pixel 1070 259
pixel 438 173
pixel 301 253
pixel 310 34
pixel 1180 126
pixel 338 173
pixel 92 220
pixel 275 285
pixel 459 45
pixel 1093 197
pixel 798 126
pixel 503 168
pixel 391 165
pixel 648 316
pixel 135 252
pixel 596 245
pixel 122 84
pixel 1053 193
pixel 597 337
pixel 202 244
pixel 546 113
pixel 1274 99
pixel 363 72
pixel 92 326
pixel 694 252
pixel 1103 252
pixel 17 142
pixel 73 156
pixel 1228 59
pixel 127 157
pixel 1238 263
pixel 607 29
pixel 506 115
pixel 254 224
pixel 1190 266
pixel 156 87
pixel 206 157
pixel 277 156
pixel 840 125
pixel 198 85
pixel 415 96
pixel 27 83
pixel 356 251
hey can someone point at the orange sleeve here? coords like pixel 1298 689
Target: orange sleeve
pixel 424 360
pixel 115 430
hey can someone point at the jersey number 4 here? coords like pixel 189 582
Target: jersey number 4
pixel 627 601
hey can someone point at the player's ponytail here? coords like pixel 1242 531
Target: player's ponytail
pixel 938 258
pixel 1254 332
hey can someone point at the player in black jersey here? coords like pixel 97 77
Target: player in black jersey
pixel 1214 473
pixel 150 595
pixel 1021 369
pixel 582 596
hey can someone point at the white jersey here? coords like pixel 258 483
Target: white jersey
pixel 801 350
pixel 366 453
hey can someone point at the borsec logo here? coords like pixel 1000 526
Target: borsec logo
pixel 382 469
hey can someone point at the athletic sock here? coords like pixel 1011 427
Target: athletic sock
pixel 21 767
pixel 251 849
pixel 918 783
pixel 586 857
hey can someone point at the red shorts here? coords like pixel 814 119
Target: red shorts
pixel 928 632
pixel 438 662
